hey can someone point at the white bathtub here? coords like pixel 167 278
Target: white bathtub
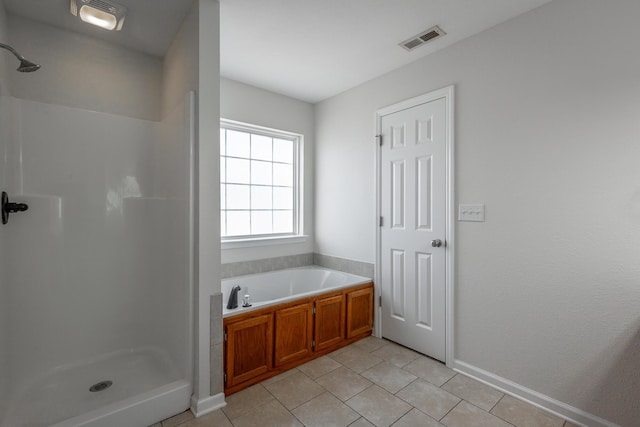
pixel 277 286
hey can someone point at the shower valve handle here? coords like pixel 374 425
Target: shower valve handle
pixel 9 207
pixel 16 207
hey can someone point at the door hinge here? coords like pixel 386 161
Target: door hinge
pixel 379 138
pixel 314 310
pixel 225 378
pixel 225 336
pixel 313 344
pixel 380 300
pixel 381 222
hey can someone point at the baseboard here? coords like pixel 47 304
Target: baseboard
pixel 575 415
pixel 209 404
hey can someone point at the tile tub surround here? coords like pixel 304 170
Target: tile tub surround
pixel 345 265
pixel 398 387
pixel 244 268
pixel 292 261
pixel 216 383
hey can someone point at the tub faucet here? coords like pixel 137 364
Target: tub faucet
pixel 233 298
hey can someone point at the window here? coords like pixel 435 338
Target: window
pixel 259 182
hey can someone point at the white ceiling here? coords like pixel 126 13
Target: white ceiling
pixel 314 49
pixel 150 25
pixel 306 49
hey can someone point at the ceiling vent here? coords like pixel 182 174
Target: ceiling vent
pixel 422 38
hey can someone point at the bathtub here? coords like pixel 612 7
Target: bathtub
pixel 275 287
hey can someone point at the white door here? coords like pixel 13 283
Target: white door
pixel 413 207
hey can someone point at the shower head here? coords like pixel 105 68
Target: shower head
pixel 25 65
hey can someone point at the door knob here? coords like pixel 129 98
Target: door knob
pixel 436 243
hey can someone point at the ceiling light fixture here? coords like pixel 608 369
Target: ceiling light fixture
pixel 104 14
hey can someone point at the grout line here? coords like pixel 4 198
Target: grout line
pixel 450 410
pixel 447 381
pixel 417 378
pixel 496 404
pixel 400 417
pixel 498 416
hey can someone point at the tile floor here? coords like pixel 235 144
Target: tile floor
pixel 372 382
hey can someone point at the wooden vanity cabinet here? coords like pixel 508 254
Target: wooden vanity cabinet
pixel 249 348
pixel 359 312
pixel 262 343
pixel 293 333
pixel 329 322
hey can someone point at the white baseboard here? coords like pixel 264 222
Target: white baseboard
pixel 575 415
pixel 201 407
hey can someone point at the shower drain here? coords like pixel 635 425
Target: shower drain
pixel 102 385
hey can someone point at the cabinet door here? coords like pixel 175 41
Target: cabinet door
pixel 249 348
pixel 293 327
pixel 359 312
pixel 329 326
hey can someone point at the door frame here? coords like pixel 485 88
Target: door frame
pixel 448 94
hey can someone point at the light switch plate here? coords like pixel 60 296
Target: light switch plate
pixel 470 212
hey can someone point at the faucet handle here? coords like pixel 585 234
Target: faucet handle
pixel 246 300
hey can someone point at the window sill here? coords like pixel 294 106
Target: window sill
pixel 264 241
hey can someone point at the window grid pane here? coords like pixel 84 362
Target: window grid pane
pixel 258 183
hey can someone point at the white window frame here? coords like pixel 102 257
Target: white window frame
pixel 297 235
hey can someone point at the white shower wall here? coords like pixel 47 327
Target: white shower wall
pixel 4 133
pixel 4 286
pixel 97 267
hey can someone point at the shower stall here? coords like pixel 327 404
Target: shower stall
pixel 96 291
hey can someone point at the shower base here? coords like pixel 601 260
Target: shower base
pixel 132 387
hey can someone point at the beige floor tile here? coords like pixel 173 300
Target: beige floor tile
pixel 522 414
pixel 396 354
pixel 271 414
pixel 325 411
pixel 319 367
pixel 379 406
pixel 294 390
pixel 389 377
pixel 178 419
pixel 370 344
pixel 428 398
pixel 279 377
pixel 213 419
pixel 343 383
pixel 415 418
pixel 362 422
pixel 467 415
pixel 430 370
pixel 238 403
pixel 570 424
pixel 481 395
pixel 355 359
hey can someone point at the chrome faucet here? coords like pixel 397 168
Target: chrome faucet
pixel 233 298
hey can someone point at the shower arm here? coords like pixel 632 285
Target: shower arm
pixel 12 50
pixel 25 65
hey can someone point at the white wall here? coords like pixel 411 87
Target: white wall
pixel 6 58
pixel 547 132
pixel 87 178
pixel 192 63
pixel 180 65
pixel 98 75
pixel 256 106
pixel 4 321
